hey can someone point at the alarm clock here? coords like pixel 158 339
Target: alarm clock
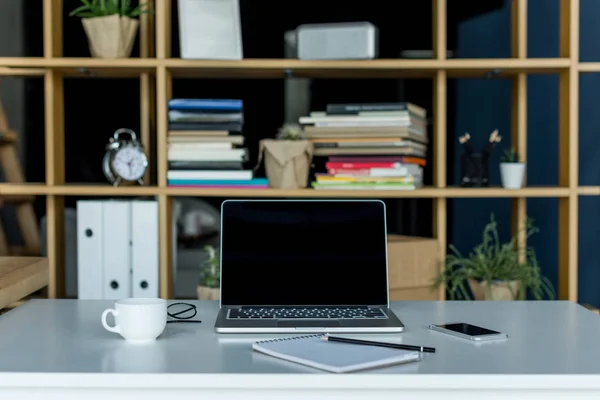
pixel 124 159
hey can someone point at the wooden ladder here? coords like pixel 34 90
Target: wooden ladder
pixel 10 167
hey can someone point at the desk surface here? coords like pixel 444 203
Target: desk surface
pixel 65 336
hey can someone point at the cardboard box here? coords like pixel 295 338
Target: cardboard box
pixel 419 293
pixel 412 266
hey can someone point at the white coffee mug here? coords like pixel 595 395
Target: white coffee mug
pixel 138 320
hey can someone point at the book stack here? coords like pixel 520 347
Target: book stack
pixel 370 146
pixel 206 145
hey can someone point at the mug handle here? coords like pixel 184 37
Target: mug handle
pixel 109 328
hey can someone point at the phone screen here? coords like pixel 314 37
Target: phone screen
pixel 468 329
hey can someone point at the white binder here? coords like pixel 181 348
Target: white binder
pixel 116 228
pixel 90 249
pixel 144 248
pixel 210 29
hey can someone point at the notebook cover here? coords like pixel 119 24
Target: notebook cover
pixel 312 351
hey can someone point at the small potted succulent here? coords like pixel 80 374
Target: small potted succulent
pixel 512 172
pixel 110 26
pixel 210 276
pixel 495 270
pixel 287 158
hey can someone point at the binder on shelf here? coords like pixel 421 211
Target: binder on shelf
pixel 90 249
pixel 210 29
pixel 144 248
pixel 116 228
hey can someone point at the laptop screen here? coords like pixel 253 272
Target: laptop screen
pixel 297 252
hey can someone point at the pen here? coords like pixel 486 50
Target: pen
pixel 379 344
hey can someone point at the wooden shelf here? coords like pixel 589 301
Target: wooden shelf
pixel 278 68
pixel 588 190
pixel 381 68
pixel 10 71
pixel 426 192
pixel 155 48
pixel 589 67
pixel 84 67
pixel 40 189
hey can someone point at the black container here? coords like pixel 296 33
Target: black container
pixel 474 170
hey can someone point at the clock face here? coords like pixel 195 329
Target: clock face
pixel 129 163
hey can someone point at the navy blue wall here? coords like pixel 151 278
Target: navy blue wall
pixel 483 105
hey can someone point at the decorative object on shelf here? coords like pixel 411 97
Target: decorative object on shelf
pixel 110 26
pixel 512 172
pixel 338 41
pixel 210 30
pixel 124 160
pixel 210 276
pixel 474 166
pixel 287 158
pixel 495 270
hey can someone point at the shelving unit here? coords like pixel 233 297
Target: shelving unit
pixel 156 69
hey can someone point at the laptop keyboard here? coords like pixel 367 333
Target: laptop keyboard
pixel 306 313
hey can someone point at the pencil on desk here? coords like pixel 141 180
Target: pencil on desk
pixel 379 344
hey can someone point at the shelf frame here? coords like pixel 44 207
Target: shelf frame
pixel 163 94
pixel 155 68
pixel 74 67
pixel 448 192
pixel 55 148
pixel 519 116
pixel 440 107
pixel 568 151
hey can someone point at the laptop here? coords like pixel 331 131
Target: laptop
pixel 304 266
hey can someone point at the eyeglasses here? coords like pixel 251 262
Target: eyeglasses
pixel 182 312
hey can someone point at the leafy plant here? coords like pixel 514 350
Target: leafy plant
pixel 103 8
pixel 510 156
pixel 493 261
pixel 210 271
pixel 290 132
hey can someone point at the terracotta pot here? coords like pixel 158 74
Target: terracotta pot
pixel 501 290
pixel 207 293
pixel 111 36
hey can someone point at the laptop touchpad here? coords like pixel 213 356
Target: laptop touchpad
pixel 308 323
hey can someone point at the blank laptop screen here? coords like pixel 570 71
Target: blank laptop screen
pixel 303 253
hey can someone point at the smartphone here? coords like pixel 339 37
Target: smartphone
pixel 469 332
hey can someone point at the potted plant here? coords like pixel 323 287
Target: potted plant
pixel 287 158
pixel 495 270
pixel 110 26
pixel 210 276
pixel 512 172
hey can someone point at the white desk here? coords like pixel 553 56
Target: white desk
pixel 57 349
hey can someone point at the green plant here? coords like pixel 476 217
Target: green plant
pixel 103 8
pixel 290 132
pixel 510 156
pixel 493 261
pixel 210 271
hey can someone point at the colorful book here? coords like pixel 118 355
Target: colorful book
pixel 210 176
pixel 365 186
pixel 218 182
pixel 205 104
pixel 357 109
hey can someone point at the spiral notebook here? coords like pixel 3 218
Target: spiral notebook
pixel 312 351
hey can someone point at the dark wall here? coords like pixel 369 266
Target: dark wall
pixel 483 105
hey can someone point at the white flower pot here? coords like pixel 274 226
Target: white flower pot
pixel 512 175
